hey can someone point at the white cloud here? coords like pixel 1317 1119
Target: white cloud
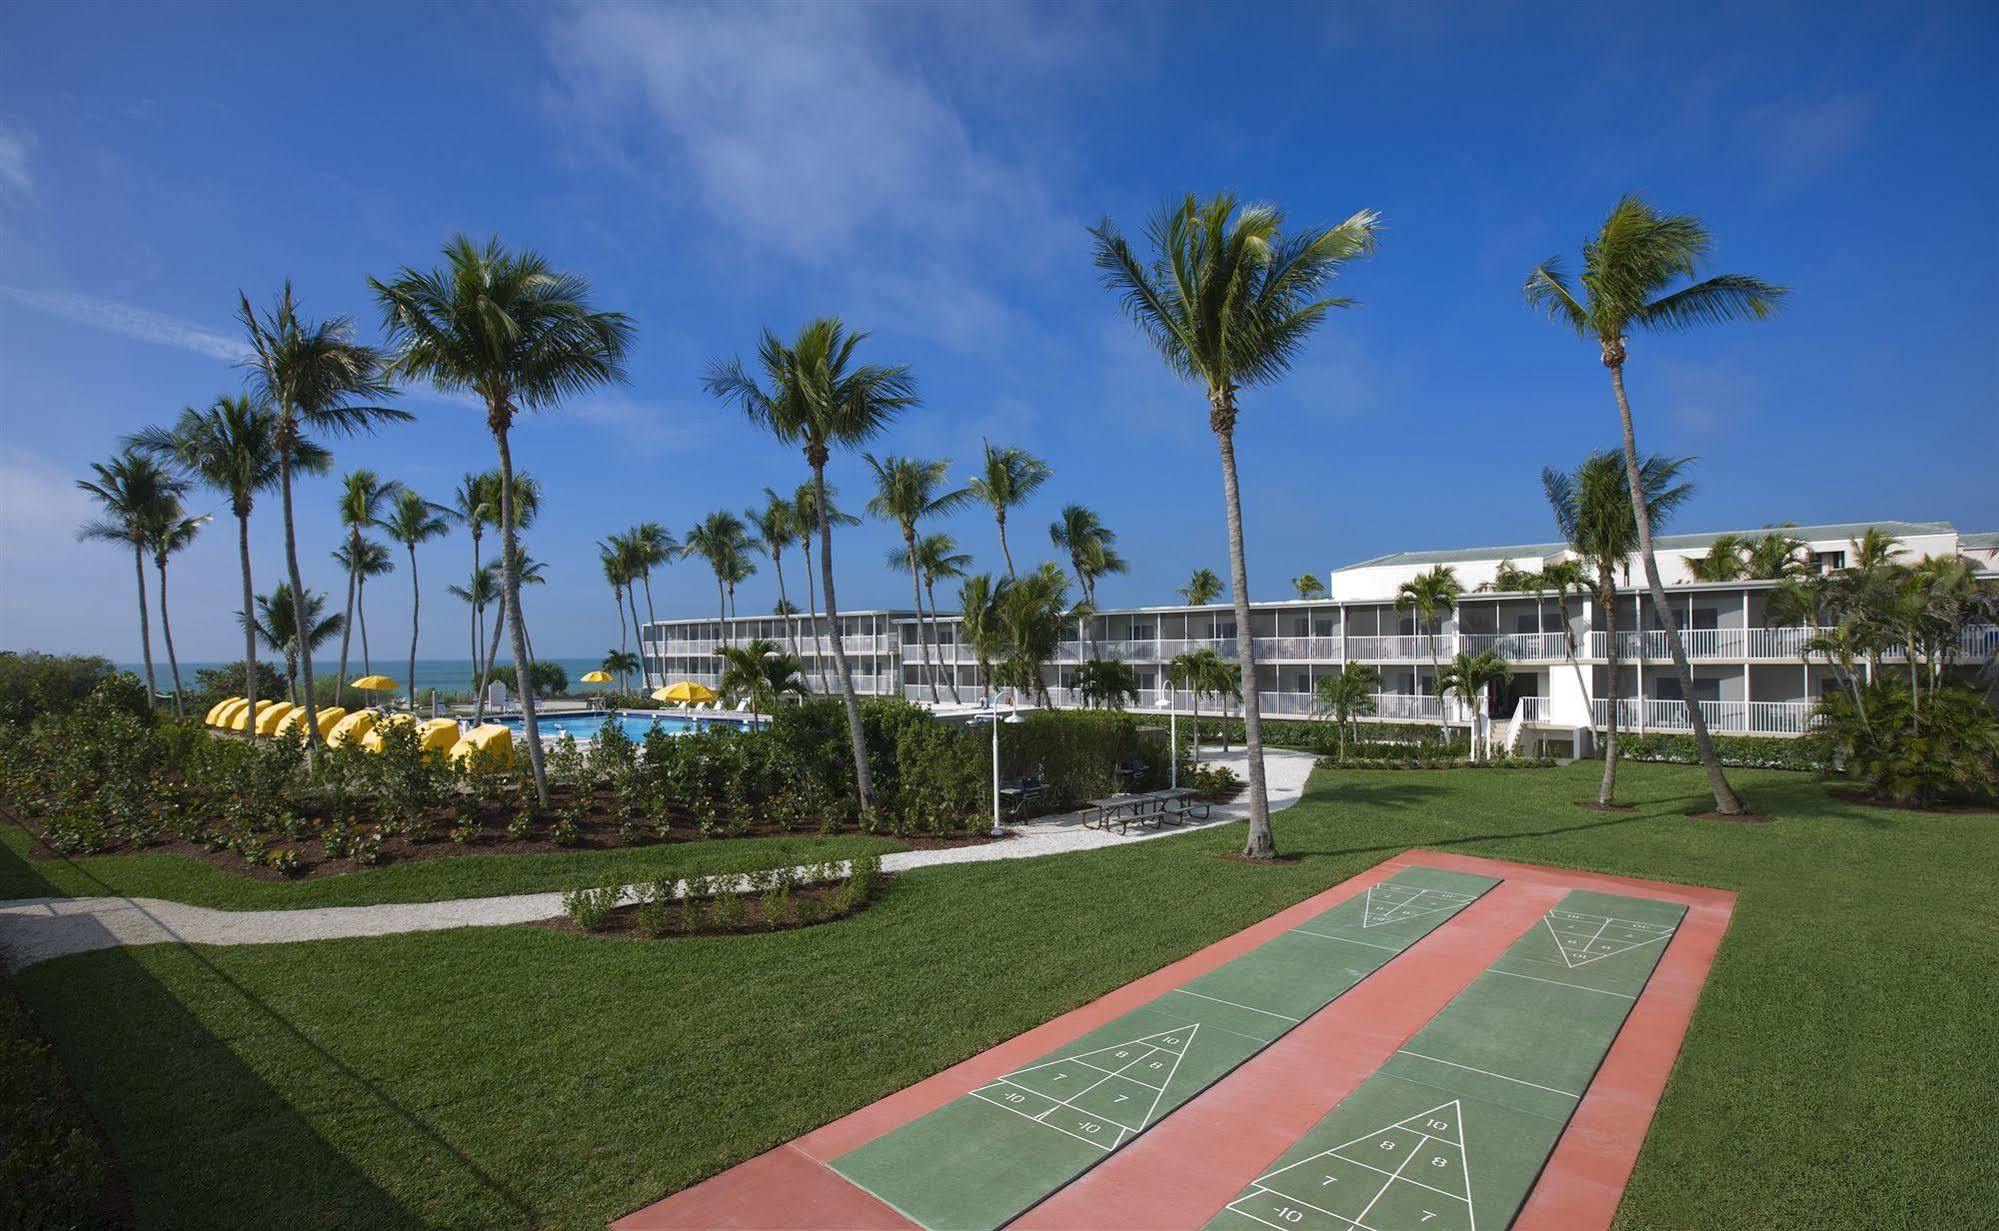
pixel 120 318
pixel 16 145
pixel 1804 139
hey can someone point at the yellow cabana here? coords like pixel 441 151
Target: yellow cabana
pixel 216 709
pixel 371 741
pixel 438 735
pixel 268 720
pixel 351 729
pixel 329 716
pixel 243 719
pixel 686 692
pixel 489 748
pixel 227 711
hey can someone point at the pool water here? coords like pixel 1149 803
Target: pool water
pixel 635 723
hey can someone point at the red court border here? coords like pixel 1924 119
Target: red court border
pixel 1250 1117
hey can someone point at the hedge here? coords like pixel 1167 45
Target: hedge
pixel 1738 751
pixel 1376 740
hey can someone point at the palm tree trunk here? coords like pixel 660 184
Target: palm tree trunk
pixel 298 611
pixel 486 680
pixel 790 631
pixel 812 613
pixel 1725 801
pixel 1261 844
pixel 863 782
pixel 633 599
pixel 249 629
pixel 930 586
pixel 916 596
pixel 347 624
pixel 1196 759
pixel 1606 791
pixel 167 636
pixel 416 611
pixel 478 612
pixel 510 575
pixel 361 616
pixel 618 601
pixel 145 623
pixel 999 515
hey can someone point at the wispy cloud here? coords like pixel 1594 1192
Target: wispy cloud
pixel 124 319
pixel 17 145
pixel 1805 138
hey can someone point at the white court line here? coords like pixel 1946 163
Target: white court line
pixel 1501 1076
pixel 1146 1119
pixel 1406 1160
pixel 1356 1162
pixel 1558 983
pixel 1113 1072
pixel 1252 1008
pixel 1043 1123
pixel 1329 936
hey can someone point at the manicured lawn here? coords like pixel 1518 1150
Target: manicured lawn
pixel 1838 1074
pixel 181 878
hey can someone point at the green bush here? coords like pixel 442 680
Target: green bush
pixel 547 679
pixel 33 683
pixel 213 684
pixel 1738 751
pixel 1385 740
pixel 589 909
pixel 1941 749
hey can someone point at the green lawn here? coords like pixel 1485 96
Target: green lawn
pixel 182 878
pixel 1838 1074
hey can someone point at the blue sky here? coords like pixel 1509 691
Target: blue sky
pixel 929 173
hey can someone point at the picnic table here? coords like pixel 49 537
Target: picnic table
pixel 1153 808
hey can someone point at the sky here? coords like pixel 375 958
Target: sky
pixel 930 174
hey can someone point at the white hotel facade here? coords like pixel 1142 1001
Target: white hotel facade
pixel 1750 676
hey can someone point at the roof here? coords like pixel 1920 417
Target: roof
pixel 1982 540
pixel 1664 542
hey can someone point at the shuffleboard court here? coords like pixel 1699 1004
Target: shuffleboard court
pixel 979 1161
pixel 1452 1131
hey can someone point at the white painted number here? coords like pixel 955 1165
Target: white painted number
pixel 1290 1215
pixel 1388 1145
pixel 1092 1128
pixel 1442 1124
pixel 1015 1098
pixel 1439 1161
pixel 1428 1215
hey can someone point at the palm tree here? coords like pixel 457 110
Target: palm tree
pixel 1628 267
pixel 1775 556
pixel 1346 695
pixel 510 328
pixel 363 498
pixel 1431 594
pixel 1228 300
pixel 170 529
pixel 621 664
pixel 1201 589
pixel 1032 612
pixel 720 540
pixel 1725 560
pixel 525 507
pixel 906 493
pixel 477 594
pixel 817 399
pixel 1201 672
pixel 939 557
pixel 1594 515
pixel 776 525
pixel 314 376
pixel 1006 478
pixel 232 448
pixel 1105 682
pixel 130 487
pixel 276 622
pixel 1078 531
pixel 1562 578
pixel 1469 678
pixel 413 520
pixel 1100 560
pixel 617 573
pixel 364 558
pixel 761 673
pixel 981 599
pixel 652 547
pixel 807 504
pixel 1308 585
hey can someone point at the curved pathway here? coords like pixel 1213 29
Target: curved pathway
pixel 36 929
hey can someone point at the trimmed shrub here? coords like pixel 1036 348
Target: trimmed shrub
pixel 1737 751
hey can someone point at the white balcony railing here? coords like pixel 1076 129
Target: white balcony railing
pixel 1536 709
pixel 1398 647
pixel 1518 647
pixel 1723 717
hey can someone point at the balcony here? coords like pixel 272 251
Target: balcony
pixel 1519 647
pixel 1400 647
pixel 1723 717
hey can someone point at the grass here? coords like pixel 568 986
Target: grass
pixel 1836 1075
pixel 183 878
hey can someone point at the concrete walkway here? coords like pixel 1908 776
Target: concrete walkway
pixel 36 929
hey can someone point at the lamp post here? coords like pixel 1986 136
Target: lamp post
pixel 1013 717
pixel 1165 702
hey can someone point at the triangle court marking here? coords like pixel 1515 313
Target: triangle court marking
pixel 1417 903
pixel 1584 944
pixel 1438 1136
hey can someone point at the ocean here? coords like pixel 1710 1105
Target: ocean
pixel 448 675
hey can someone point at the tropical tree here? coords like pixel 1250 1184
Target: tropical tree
pixel 1725 560
pixel 1431 595
pixel 1775 556
pixel 364 558
pixel 1201 589
pixel 1228 300
pixel 479 592
pixel 131 489
pixel 653 547
pixel 906 493
pixel 412 520
pixel 621 664
pixel 1203 672
pixel 317 379
pixel 935 557
pixel 618 575
pixel 1562 578
pixel 364 500
pixel 231 448
pixel 981 628
pixel 1105 682
pixel 818 398
pixel 170 528
pixel 1032 609
pixel 1082 534
pixel 1470 678
pixel 1629 266
pixel 511 329
pixel 760 672
pixel 722 540
pixel 1593 512
pixel 1346 695
pixel 1007 477
pixel 525 507
pixel 275 623
pixel 1308 585
pixel 808 507
pixel 776 525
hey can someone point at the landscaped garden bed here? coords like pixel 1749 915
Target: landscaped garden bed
pixel 777 898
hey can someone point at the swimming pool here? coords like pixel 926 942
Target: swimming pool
pixel 584 727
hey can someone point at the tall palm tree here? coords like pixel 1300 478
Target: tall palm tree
pixel 510 328
pixel 1007 477
pixel 937 558
pixel 130 488
pixel 232 448
pixel 364 498
pixel 1308 585
pixel 1594 515
pixel 275 620
pixel 1346 694
pixel 317 379
pixel 413 520
pixel 1228 299
pixel 906 493
pixel 1032 613
pixel 1079 531
pixel 479 593
pixel 170 529
pixel 818 398
pixel 761 673
pixel 364 558
pixel 808 507
pixel 1628 266
pixel 1201 589
pixel 473 505
pixel 776 522
pixel 1561 578
pixel 981 599
pixel 653 547
pixel 1470 678
pixel 523 509
pixel 617 574
pixel 632 553
pixel 1431 595
pixel 738 568
pixel 720 540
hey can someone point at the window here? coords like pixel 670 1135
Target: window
pixel 1323 628
pixel 1828 561
pixel 1142 632
pixel 1707 617
pixel 1225 631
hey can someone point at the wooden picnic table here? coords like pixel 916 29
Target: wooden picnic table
pixel 1154 808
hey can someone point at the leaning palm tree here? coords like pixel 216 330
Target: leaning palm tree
pixel 939 557
pixel 652 547
pixel 1007 477
pixel 364 498
pixel 364 558
pixel 1470 678
pixel 170 529
pixel 617 575
pixel 317 379
pixel 478 593
pixel 511 329
pixel 412 520
pixel 1201 589
pixel 817 398
pixel 1228 300
pixel 231 448
pixel 1308 585
pixel 1431 595
pixel 807 505
pixel 981 598
pixel 1594 515
pixel 720 541
pixel 1078 531
pixel 275 622
pixel 130 488
pixel 1628 266
pixel 1346 695
pixel 776 522
pixel 761 673
pixel 906 493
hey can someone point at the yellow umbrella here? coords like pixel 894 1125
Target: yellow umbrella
pixel 376 683
pixel 686 692
pixel 596 677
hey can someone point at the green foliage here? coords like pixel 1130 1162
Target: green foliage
pixel 51 1169
pixel 590 908
pixel 1740 751
pixel 1373 741
pixel 1945 752
pixel 547 679
pixel 33 683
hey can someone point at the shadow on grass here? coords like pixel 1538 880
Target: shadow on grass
pixel 201 1138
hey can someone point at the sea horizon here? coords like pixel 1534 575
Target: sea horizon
pixel 450 675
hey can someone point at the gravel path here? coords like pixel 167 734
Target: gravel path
pixel 36 929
